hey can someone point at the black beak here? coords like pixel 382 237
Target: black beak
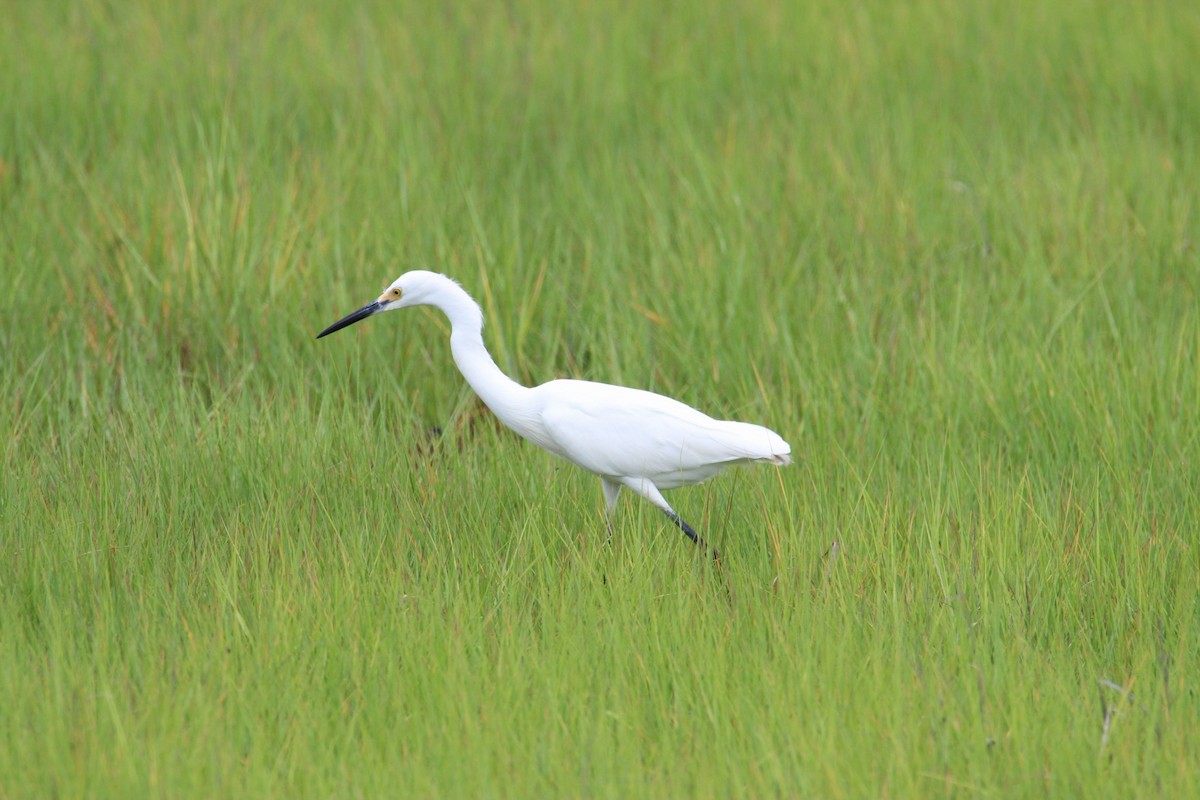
pixel 351 318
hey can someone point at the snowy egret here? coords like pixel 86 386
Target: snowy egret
pixel 630 438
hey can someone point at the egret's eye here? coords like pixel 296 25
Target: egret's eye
pixel 394 293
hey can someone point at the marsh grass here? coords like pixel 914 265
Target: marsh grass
pixel 947 249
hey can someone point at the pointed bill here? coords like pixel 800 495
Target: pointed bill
pixel 352 317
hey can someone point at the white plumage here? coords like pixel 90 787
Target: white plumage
pixel 631 438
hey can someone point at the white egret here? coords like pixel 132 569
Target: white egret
pixel 630 438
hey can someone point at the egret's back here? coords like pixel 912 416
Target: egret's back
pixel 618 432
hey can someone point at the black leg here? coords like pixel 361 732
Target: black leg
pixel 691 534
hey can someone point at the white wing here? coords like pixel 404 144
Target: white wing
pixel 619 432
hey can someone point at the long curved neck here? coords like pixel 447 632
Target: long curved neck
pixel 504 396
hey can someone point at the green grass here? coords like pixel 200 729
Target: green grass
pixel 948 250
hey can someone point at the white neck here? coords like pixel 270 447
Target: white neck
pixel 507 399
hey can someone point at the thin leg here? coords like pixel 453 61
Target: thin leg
pixel 691 534
pixel 611 491
pixel 649 491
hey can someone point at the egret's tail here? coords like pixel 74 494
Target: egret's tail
pixel 759 444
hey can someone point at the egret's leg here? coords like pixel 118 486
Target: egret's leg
pixel 681 523
pixel 611 490
pixel 649 491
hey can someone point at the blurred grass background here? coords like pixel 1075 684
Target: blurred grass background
pixel 948 250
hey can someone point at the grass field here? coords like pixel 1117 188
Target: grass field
pixel 947 249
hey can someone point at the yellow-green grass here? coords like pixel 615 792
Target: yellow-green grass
pixel 948 250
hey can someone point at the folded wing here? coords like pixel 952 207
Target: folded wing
pixel 619 432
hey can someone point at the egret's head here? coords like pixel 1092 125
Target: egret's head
pixel 410 289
